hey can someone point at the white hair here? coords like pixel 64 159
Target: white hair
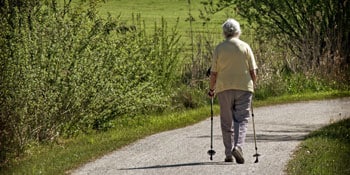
pixel 231 27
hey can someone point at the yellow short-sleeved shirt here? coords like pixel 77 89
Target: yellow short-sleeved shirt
pixel 232 60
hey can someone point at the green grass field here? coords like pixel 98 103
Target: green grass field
pixel 152 11
pixel 176 13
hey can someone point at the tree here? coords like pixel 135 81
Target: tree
pixel 316 32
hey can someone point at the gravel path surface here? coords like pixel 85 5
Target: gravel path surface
pixel 183 151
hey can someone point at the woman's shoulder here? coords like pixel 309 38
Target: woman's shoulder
pixel 241 42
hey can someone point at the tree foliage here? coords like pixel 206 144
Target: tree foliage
pixel 315 32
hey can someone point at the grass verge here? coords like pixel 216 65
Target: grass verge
pixel 302 97
pixel 67 154
pixel 324 152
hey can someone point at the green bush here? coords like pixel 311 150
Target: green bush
pixel 65 70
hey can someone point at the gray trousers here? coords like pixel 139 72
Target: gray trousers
pixel 234 114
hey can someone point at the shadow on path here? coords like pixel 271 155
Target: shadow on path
pixel 178 165
pixel 295 132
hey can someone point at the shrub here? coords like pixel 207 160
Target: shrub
pixel 65 70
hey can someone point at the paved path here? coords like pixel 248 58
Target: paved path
pixel 183 151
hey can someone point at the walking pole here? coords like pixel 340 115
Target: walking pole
pixel 256 147
pixel 211 152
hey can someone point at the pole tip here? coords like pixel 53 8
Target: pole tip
pixel 211 152
pixel 257 157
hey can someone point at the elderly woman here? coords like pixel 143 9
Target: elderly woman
pixel 232 79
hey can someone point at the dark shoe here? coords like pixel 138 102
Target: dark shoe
pixel 238 154
pixel 228 159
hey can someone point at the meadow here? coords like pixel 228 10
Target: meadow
pixel 184 14
pixel 153 11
